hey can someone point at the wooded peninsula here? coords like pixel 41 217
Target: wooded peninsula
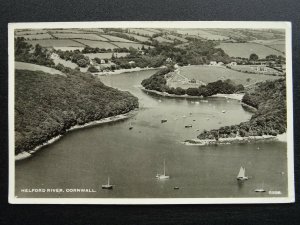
pixel 46 105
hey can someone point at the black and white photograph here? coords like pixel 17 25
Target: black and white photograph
pixel 150 112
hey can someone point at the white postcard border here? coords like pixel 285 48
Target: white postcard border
pixel 153 24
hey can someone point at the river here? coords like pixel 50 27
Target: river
pixel 84 158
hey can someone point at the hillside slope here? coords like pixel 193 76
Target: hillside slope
pixel 47 105
pixel 269 98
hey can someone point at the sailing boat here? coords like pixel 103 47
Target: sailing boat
pixel 107 186
pixel 163 176
pixel 241 176
pixel 130 127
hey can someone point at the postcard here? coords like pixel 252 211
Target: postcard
pixel 148 112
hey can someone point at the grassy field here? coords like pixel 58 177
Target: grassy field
pixel 138 37
pixel 152 30
pixel 128 44
pixel 36 36
pixel 205 34
pixel 56 43
pixel 173 37
pixel 209 74
pixel 279 47
pixel 141 31
pixel 114 38
pixel 252 69
pixel 99 44
pixel 34 67
pixel 246 49
pixel 57 60
pixel 68 48
pixel 75 31
pixel 29 32
pixel 161 40
pixel 79 36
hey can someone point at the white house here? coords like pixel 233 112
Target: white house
pixel 232 64
pixel 168 60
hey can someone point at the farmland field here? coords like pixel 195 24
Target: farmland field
pixel 57 60
pixel 269 42
pixel 114 38
pixel 173 37
pixel 246 49
pixel 29 32
pixel 253 69
pixel 279 47
pixel 36 36
pixel 138 37
pixel 142 32
pixel 68 31
pixel 79 36
pixel 209 74
pixel 34 67
pixel 128 44
pixel 161 39
pixel 68 48
pixel 99 44
pixel 153 30
pixel 202 33
pixel 55 43
pixel 106 55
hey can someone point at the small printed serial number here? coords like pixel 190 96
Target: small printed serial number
pixel 274 192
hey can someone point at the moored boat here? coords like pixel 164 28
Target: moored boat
pixel 107 186
pixel 241 176
pixel 163 176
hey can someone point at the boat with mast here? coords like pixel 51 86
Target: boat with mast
pixel 241 176
pixel 108 185
pixel 163 176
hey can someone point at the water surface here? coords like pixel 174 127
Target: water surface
pixel 85 158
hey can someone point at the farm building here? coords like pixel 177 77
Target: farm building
pixel 232 64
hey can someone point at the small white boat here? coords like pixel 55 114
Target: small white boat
pixel 241 176
pixel 197 103
pixel 223 111
pixel 259 190
pixel 159 100
pixel 108 185
pixel 163 176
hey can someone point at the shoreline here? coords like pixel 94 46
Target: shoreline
pixel 121 71
pixel 237 97
pixel 235 140
pixel 29 153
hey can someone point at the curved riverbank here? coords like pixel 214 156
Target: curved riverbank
pixel 120 71
pixel 165 94
pixel 27 154
pixel 235 140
